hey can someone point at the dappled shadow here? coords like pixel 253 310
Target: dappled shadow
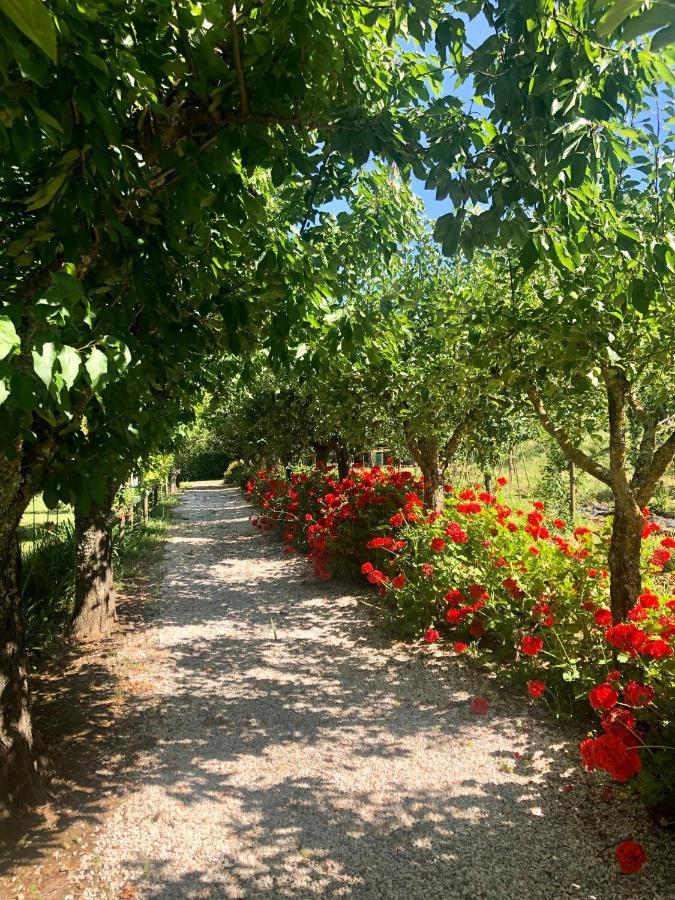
pixel 282 746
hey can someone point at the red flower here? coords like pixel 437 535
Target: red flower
pixel 531 645
pixel 437 544
pixel 479 706
pixel 603 696
pixel 660 557
pixel 511 585
pixel 367 568
pixel 399 581
pixel 614 675
pixel 453 615
pixel 460 647
pixel 538 505
pixel 647 600
pixel 636 694
pixel 621 723
pixel 592 573
pixel 468 508
pixel 397 520
pixel 456 533
pixel 536 688
pixel 476 629
pixel 603 617
pixel 609 753
pixel 657 649
pixel 548 621
pixel 431 635
pixel 631 857
pixel 428 569
pixel 626 637
pixel 668 542
pixel 559 523
pixel 454 597
pixel 501 481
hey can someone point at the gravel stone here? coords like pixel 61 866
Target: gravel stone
pixel 296 752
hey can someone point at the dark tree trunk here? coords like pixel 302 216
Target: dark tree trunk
pixel 322 452
pixel 342 457
pixel 19 780
pixel 624 558
pixel 94 595
pixel 487 481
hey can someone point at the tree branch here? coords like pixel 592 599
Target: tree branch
pixel 452 445
pixel 660 462
pixel 574 454
pixel 236 53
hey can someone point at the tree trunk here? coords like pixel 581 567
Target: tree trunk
pixel 624 558
pixel 433 473
pixel 321 451
pixel 342 457
pixel 19 780
pixel 487 481
pixel 94 596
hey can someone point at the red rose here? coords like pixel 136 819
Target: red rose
pixel 538 505
pixel 531 645
pixel 657 649
pixel 397 520
pixel 437 544
pixel 621 723
pixel 367 568
pixel 631 857
pixel 476 629
pixel 456 533
pixel 460 646
pixel 603 617
pixel 603 696
pixel 559 523
pixel 636 694
pixel 453 597
pixel 535 688
pixel 614 675
pixel 501 481
pixel 399 581
pixel 479 706
pixel 431 635
pixel 428 569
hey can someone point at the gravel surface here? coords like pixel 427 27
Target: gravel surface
pixel 293 751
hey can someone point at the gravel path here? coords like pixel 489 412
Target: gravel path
pixel 294 752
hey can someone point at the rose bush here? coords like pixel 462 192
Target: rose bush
pixel 525 588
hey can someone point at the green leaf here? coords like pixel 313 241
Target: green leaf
pixel 616 14
pixel 46 193
pixel 664 38
pixel 96 366
pixel 9 339
pixel 70 362
pixel 529 257
pixel 35 21
pixel 43 363
pixel 4 390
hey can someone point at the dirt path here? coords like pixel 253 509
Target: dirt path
pixel 291 751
